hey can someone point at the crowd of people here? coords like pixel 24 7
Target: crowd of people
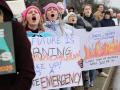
pixel 56 21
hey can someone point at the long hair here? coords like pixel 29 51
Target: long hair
pixel 40 24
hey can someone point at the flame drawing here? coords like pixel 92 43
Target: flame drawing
pixel 107 48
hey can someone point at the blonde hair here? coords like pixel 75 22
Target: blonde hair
pixel 98 16
pixel 40 24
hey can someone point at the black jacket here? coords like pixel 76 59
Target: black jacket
pixel 92 21
pixel 107 22
pixel 23 58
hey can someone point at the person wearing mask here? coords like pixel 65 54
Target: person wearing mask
pixel 22 79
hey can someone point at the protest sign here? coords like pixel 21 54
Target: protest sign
pixel 7 62
pixel 102 48
pixel 56 58
pixel 56 62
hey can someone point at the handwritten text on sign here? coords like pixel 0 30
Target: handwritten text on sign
pixel 102 48
pixel 53 59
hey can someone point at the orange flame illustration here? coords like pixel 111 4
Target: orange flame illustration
pixel 105 49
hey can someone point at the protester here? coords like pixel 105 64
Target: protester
pixel 71 19
pixel 77 22
pixel 107 21
pixel 113 16
pixel 22 79
pixel 32 20
pixel 55 25
pixel 99 14
pixel 89 76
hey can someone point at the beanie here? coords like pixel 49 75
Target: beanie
pixel 68 15
pixel 49 6
pixel 24 13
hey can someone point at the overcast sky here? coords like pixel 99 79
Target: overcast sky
pixel 115 3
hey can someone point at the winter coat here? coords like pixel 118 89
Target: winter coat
pixel 22 79
pixel 82 23
pixel 57 30
pixel 92 21
pixel 78 25
pixel 107 22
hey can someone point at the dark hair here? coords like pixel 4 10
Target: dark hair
pixel 71 8
pixel 103 11
pixel 107 12
pixel 100 5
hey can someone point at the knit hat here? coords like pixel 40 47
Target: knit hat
pixel 49 6
pixel 24 13
pixel 68 15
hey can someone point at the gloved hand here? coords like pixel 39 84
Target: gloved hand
pixel 88 28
